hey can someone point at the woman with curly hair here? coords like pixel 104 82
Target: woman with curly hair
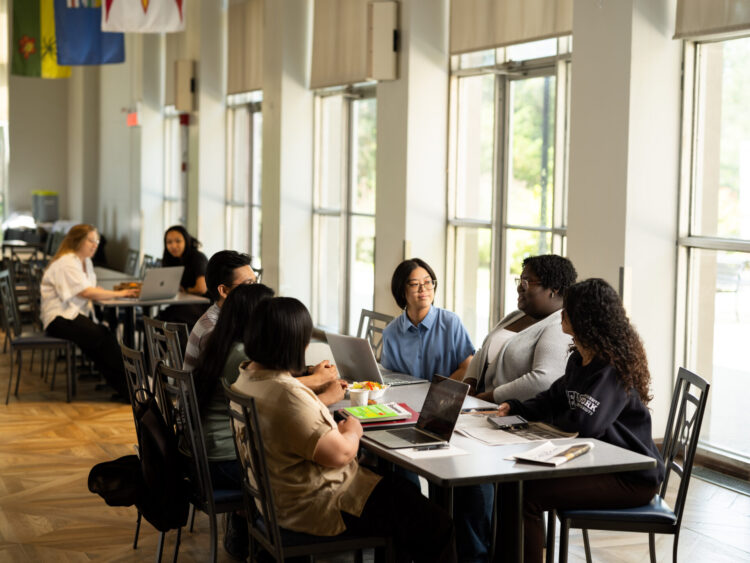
pixel 602 395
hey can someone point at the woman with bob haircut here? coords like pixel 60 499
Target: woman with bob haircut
pixel 318 486
pixel 527 350
pixel 424 340
pixel 68 286
pixel 181 249
pixel 602 395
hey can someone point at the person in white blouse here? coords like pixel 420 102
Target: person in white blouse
pixel 68 286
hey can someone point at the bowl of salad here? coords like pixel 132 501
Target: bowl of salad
pixel 377 390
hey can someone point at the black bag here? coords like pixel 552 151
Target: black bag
pixel 155 483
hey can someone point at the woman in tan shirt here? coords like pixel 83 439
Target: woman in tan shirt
pixel 319 488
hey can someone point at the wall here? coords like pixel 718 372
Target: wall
pixel 38 124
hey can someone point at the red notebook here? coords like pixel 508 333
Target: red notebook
pixel 411 421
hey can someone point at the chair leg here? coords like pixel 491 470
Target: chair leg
pixel 10 378
pixel 177 544
pixel 54 373
pixel 19 359
pixel 160 547
pixel 68 374
pixel 564 531
pixel 192 517
pixel 214 538
pixel 586 545
pixel 359 556
pixel 137 530
pixel 550 544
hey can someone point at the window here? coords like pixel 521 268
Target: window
pixel 714 243
pixel 244 162
pixel 175 167
pixel 344 208
pixel 507 173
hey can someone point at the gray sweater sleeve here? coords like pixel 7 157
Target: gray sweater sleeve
pixel 525 375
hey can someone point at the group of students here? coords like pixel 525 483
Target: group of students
pixel 568 356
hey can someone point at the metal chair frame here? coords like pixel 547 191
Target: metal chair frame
pixel 371 325
pixel 680 443
pixel 163 342
pixel 264 528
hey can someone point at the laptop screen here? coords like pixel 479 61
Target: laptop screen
pixel 442 406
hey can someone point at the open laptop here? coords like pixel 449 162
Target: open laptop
pixel 160 283
pixel 436 421
pixel 356 362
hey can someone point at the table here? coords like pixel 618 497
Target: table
pixel 488 464
pixel 128 333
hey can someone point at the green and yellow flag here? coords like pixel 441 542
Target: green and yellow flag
pixel 34 40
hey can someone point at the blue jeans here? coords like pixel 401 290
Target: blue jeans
pixel 472 516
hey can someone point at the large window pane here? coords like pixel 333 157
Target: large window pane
pixel 241 155
pixel 330 145
pixel 257 156
pixel 362 268
pixel 328 272
pixel 257 236
pixel 718 333
pixel 472 280
pixel 518 245
pixel 239 221
pixel 364 137
pixel 531 161
pixel 475 147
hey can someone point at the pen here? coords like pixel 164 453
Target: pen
pixel 479 409
pixel 433 447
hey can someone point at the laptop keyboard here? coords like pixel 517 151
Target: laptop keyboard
pixel 412 436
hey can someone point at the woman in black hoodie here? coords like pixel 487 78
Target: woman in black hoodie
pixel 602 395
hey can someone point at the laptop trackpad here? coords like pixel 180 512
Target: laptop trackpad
pixel 413 436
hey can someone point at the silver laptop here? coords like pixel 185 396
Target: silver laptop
pixel 436 421
pixel 356 362
pixel 160 283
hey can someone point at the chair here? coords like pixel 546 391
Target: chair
pixel 20 341
pixel 177 393
pixel 371 325
pixel 162 346
pixel 680 441
pixel 131 262
pixel 53 242
pixel 264 529
pixel 177 335
pixel 148 262
pixel 137 380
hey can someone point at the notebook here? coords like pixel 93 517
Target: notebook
pixel 436 421
pixel 356 362
pixel 160 283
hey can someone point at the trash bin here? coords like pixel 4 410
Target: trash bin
pixel 45 206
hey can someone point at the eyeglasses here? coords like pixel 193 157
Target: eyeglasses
pixel 93 241
pixel 524 284
pixel 249 281
pixel 427 284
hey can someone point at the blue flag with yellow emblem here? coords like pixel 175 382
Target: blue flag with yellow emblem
pixel 80 39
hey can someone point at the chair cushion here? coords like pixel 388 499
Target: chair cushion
pixel 32 338
pixel 290 538
pixel 227 495
pixel 655 512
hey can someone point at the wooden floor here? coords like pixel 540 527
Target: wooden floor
pixel 47 448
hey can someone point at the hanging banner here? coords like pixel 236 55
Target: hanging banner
pixel 143 16
pixel 80 39
pixel 34 40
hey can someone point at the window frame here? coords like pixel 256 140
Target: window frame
pixel 173 117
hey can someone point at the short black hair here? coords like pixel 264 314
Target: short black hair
pixel 220 270
pixel 401 277
pixel 555 272
pixel 277 334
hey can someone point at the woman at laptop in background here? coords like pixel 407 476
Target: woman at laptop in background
pixel 181 249
pixel 424 340
pixel 604 394
pixel 319 488
pixel 68 286
pixel 527 350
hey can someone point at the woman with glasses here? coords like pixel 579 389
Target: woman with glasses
pixel 425 340
pixel 181 249
pixel 68 286
pixel 527 350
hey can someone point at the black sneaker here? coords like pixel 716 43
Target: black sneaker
pixel 235 537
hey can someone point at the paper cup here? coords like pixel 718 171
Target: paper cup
pixel 358 397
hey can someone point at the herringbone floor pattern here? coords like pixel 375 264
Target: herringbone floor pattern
pixel 47 448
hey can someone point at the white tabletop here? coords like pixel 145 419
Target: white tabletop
pixel 181 298
pixel 109 275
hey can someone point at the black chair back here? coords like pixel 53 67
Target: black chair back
pixel 256 484
pixel 11 318
pixel 176 335
pixel 135 371
pixel 371 325
pixel 163 347
pixel 683 430
pixel 131 262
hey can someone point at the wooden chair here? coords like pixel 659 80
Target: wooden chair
pixel 371 325
pixel 265 532
pixel 175 390
pixel 20 341
pixel 680 442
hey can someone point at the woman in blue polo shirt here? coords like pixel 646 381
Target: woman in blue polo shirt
pixel 425 340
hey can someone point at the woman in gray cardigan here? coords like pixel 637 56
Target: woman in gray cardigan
pixel 527 350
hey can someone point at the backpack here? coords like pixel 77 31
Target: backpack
pixel 156 484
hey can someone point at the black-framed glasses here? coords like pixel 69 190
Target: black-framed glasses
pixel 416 285
pixel 524 284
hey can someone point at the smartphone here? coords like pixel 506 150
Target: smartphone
pixel 509 422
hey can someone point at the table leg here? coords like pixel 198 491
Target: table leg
pixel 128 328
pixel 519 515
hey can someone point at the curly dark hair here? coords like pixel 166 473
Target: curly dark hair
pixel 555 272
pixel 601 325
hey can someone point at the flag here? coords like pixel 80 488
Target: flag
pixel 80 39
pixel 143 16
pixel 34 42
